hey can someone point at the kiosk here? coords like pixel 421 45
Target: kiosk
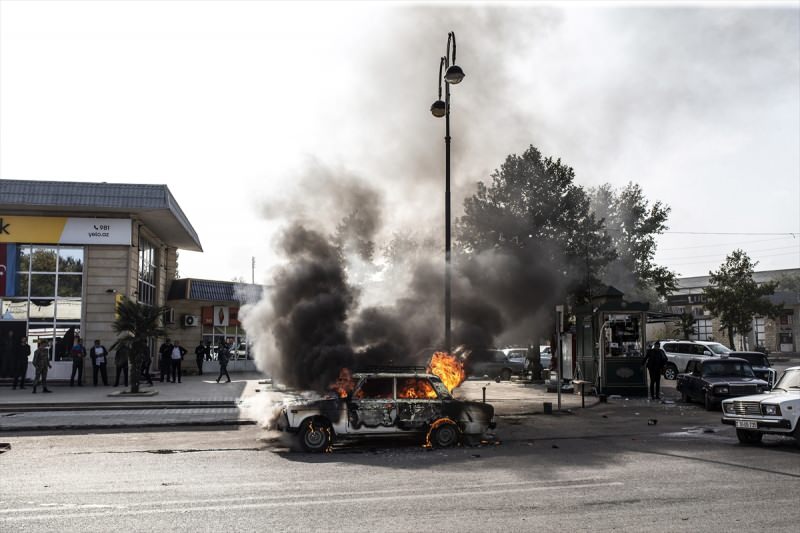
pixel 611 344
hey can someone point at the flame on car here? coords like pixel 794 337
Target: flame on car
pixel 415 389
pixel 344 384
pixel 448 368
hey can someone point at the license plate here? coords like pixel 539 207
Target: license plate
pixel 747 424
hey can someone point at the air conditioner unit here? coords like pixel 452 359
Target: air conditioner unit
pixel 190 321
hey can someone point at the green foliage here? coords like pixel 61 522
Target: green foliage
pixel 734 297
pixel 685 327
pixel 534 201
pixel 136 324
pixel 632 223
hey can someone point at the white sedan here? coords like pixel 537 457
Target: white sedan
pixel 775 412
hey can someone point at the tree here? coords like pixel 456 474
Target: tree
pixel 685 326
pixel 136 324
pixel 632 224
pixel 533 201
pixel 734 297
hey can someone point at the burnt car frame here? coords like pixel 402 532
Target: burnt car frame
pixel 713 379
pixel 381 405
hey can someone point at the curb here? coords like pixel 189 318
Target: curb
pixel 144 425
pixel 111 406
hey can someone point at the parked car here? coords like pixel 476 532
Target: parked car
pixel 761 365
pixel 679 353
pixel 517 355
pixel 388 404
pixel 495 364
pixel 775 412
pixel 711 380
pixel 715 347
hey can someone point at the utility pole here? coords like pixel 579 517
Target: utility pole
pixel 253 270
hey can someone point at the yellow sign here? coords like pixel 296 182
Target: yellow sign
pixel 64 230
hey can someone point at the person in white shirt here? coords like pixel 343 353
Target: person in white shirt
pixel 178 352
pixel 99 361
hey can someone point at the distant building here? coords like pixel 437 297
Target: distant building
pixel 779 335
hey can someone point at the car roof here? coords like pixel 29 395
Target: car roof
pixel 394 375
pixel 718 359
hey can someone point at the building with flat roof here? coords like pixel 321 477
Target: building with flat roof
pixel 70 250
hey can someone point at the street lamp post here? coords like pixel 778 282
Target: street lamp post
pixel 452 74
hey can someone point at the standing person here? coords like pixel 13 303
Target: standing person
pixel 99 362
pixel 41 362
pixel 655 360
pixel 8 345
pixel 165 359
pixel 200 354
pixel 178 352
pixel 23 350
pixel 121 364
pixel 222 356
pixel 78 354
pixel 145 369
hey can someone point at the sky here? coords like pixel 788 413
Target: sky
pixel 240 106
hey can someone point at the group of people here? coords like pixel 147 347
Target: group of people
pixel 171 355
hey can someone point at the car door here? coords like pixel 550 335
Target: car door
pixel 418 404
pixel 697 381
pixel 372 407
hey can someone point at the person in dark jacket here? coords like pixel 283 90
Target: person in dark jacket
pixel 655 360
pixel 165 359
pixel 41 362
pixel 21 354
pixel 99 362
pixel 222 356
pixel 121 363
pixel 78 354
pixel 200 355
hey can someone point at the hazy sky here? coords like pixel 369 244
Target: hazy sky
pixel 234 104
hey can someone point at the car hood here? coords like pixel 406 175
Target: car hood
pixel 774 396
pixel 722 380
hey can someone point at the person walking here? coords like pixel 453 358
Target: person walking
pixel 41 362
pixel 21 354
pixel 655 360
pixel 121 364
pixel 99 363
pixel 200 355
pixel 178 352
pixel 223 355
pixel 165 359
pixel 78 354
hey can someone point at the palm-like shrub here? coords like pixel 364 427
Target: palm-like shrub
pixel 135 325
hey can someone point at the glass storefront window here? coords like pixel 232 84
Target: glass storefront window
pixel 68 309
pixel 70 260
pixel 22 284
pixel 43 285
pixel 43 259
pixel 69 286
pixel 23 258
pixel 15 308
pixel 147 273
pixel 42 308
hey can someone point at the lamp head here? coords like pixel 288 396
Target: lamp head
pixel 454 75
pixel 439 109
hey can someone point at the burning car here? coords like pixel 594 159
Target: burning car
pixel 388 402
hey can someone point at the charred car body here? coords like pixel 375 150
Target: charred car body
pixel 388 404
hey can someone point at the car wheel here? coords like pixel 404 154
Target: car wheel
pixel 505 375
pixel 709 403
pixel 685 398
pixel 748 437
pixel 671 372
pixel 316 436
pixel 445 435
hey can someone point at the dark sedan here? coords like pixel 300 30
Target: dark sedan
pixel 761 365
pixel 711 380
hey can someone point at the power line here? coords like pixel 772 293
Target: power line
pixel 718 253
pixel 758 258
pixel 725 233
pixel 721 245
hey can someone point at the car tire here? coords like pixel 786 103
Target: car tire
pixel 671 372
pixel 316 436
pixel 445 435
pixel 709 403
pixel 505 375
pixel 748 437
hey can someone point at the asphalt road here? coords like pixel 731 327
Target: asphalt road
pixel 600 469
